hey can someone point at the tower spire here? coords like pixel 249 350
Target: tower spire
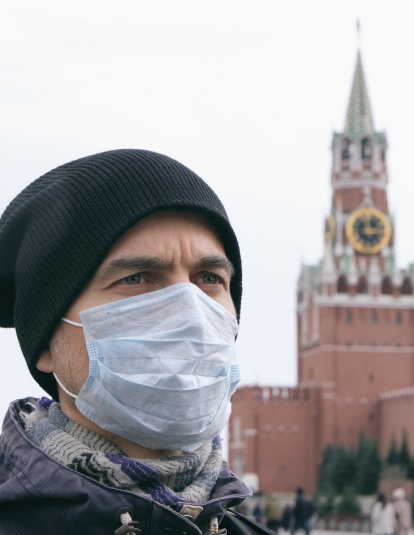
pixel 359 119
pixel 358 28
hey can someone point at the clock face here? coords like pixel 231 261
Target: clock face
pixel 368 230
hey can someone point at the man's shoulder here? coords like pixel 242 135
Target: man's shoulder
pixel 239 524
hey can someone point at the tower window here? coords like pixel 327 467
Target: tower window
pixel 362 287
pixel 386 286
pixel 346 149
pixel 407 287
pixel 342 285
pixel 366 149
pixel 371 377
pixel 398 318
pixel 348 317
pixel 374 318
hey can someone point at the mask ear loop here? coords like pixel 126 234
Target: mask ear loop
pixel 72 322
pixel 63 388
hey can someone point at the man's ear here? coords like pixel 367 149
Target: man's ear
pixel 45 362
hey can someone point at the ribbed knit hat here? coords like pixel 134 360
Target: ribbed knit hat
pixel 57 231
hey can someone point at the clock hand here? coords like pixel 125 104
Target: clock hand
pixel 369 231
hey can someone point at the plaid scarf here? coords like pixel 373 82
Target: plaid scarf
pixel 175 479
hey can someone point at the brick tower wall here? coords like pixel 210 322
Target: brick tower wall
pixel 361 359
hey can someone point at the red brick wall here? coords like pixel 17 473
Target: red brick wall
pixel 396 414
pixel 352 198
pixel 284 451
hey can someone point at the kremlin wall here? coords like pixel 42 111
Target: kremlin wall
pixel 355 335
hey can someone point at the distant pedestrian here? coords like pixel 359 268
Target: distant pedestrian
pixel 287 518
pixel 273 512
pixel 382 516
pixel 258 513
pixel 403 514
pixel 303 512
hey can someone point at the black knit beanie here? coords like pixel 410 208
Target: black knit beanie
pixel 57 231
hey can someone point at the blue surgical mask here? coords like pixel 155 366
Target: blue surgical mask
pixel 162 367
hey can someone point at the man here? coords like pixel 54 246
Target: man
pixel 403 514
pixel 121 274
pixel 274 512
pixel 303 512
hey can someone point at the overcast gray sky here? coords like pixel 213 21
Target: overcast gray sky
pixel 245 93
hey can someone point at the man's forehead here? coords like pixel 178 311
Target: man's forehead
pixel 152 243
pixel 171 225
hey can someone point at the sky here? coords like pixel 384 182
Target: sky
pixel 245 93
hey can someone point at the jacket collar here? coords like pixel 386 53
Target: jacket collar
pixel 26 472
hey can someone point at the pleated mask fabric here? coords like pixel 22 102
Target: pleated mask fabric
pixel 162 367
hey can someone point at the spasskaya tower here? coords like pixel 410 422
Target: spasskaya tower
pixel 355 328
pixel 355 309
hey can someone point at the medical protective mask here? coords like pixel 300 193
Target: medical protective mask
pixel 162 367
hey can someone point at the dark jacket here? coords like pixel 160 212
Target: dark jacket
pixel 38 496
pixel 303 511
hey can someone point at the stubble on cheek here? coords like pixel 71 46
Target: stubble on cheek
pixel 70 357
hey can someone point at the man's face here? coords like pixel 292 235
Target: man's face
pixel 163 249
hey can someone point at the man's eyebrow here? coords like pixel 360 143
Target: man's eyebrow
pixel 131 263
pixel 134 264
pixel 216 262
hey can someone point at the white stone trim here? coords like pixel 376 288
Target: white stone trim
pixel 365 300
pixel 397 393
pixel 360 301
pixel 342 183
pixel 356 349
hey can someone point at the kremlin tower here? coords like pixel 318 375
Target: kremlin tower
pixel 355 328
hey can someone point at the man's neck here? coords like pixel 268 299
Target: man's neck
pixel 131 449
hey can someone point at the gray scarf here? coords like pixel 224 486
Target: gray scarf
pixel 187 478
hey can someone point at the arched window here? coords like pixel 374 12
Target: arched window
pixel 362 287
pixel 342 285
pixel 366 149
pixel 407 287
pixel 386 286
pixel 346 149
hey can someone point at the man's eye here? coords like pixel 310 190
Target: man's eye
pixel 132 279
pixel 210 278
